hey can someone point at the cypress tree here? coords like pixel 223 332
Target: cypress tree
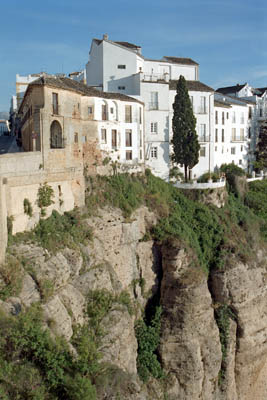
pixel 185 141
pixel 261 151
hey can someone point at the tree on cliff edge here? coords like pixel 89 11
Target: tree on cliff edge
pixel 261 151
pixel 185 141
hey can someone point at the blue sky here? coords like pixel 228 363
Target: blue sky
pixel 228 38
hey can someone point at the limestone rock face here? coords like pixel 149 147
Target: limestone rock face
pixel 190 347
pixel 243 287
pixel 119 344
pixel 29 293
pixel 58 318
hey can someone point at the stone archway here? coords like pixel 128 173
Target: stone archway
pixel 56 138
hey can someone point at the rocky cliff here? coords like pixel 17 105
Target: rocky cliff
pixel 213 324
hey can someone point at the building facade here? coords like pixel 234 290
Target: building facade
pixel 120 67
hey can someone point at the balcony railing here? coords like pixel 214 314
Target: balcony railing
pixel 204 138
pixel 154 77
pixel 153 106
pixel 237 138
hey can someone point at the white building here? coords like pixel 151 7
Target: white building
pixel 120 67
pixel 232 131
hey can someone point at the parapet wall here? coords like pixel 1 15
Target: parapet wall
pixel 21 175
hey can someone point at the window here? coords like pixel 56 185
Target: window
pixel 203 105
pixel 242 118
pixel 249 112
pixel 222 135
pixel 215 149
pixel 202 133
pixel 103 136
pixel 84 138
pixel 232 150
pixel 111 110
pixel 202 151
pixel 154 101
pixel 90 110
pixel 128 114
pixel 76 137
pixel 192 101
pixel 141 141
pixel 249 132
pixel 141 155
pixel 154 152
pixel 240 162
pixel 114 138
pixel 216 117
pixel 140 115
pixel 216 135
pixel 241 148
pixel 233 117
pixel 56 137
pixel 242 133
pixel 260 112
pixel 223 118
pixel 129 155
pixel 104 112
pixel 121 87
pixel 154 127
pixel 121 66
pixel 128 138
pixel 233 134
pixel 227 115
pixel 55 103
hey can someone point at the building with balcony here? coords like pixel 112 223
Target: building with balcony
pixel 154 83
pixel 69 122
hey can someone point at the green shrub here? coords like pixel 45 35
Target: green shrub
pixel 148 337
pixel 27 207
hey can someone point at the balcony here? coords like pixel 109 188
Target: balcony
pixel 201 110
pixel 203 139
pixel 153 105
pixel 237 138
pixel 155 77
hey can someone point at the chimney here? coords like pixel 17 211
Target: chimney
pixel 105 36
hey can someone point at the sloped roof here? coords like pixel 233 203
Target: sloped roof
pixel 261 90
pixel 218 103
pixel 181 60
pixel 78 87
pixel 231 89
pixel 129 45
pixel 194 86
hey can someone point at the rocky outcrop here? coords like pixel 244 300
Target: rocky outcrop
pixel 190 347
pixel 242 286
pixel 120 258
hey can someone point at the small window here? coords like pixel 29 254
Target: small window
pixel 84 138
pixel 128 113
pixel 121 66
pixel 241 148
pixel 249 133
pixel 249 112
pixel 140 115
pixel 216 135
pixel 232 150
pixel 141 155
pixel 215 149
pixel 129 155
pixel 154 152
pixel 216 117
pixel 240 162
pixel 103 136
pixel 227 115
pixel 121 87
pixel 114 138
pixel 76 137
pixel 104 112
pixel 222 135
pixel 55 103
pixel 202 152
pixel 90 110
pixel 141 139
pixel 111 110
pixel 154 127
pixel 128 138
pixel 222 118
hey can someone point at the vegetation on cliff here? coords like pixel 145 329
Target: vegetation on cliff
pixel 35 366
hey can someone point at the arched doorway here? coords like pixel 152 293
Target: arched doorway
pixel 56 139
